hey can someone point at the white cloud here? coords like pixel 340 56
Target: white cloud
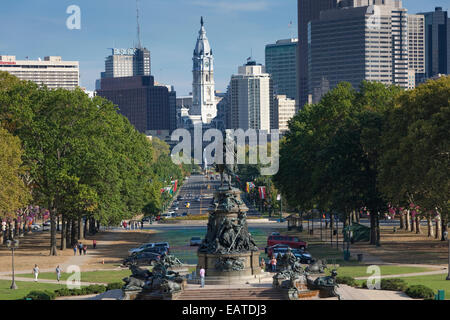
pixel 234 5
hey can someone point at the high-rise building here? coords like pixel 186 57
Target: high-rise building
pixel 203 86
pixel 437 46
pixel 147 107
pixel 52 72
pixel 281 64
pixel 357 43
pixel 416 46
pixel 127 63
pixel 250 98
pixel 308 10
pixel 283 111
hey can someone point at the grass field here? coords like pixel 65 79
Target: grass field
pixel 435 282
pixel 23 289
pixel 94 276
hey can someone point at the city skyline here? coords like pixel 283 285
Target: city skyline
pixel 236 29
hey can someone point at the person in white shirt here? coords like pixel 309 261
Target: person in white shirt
pixel 36 272
pixel 58 273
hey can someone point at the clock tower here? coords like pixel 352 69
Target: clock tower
pixel 203 88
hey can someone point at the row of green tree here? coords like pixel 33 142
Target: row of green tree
pixel 377 149
pixel 77 157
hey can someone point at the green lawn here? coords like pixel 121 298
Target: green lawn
pixel 361 271
pixel 435 282
pixel 23 289
pixel 93 276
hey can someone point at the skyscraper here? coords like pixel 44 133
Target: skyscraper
pixel 250 98
pixel 203 86
pixel 355 43
pixel 281 64
pixel 52 72
pixel 437 30
pixel 147 107
pixel 308 10
pixel 127 63
pixel 416 46
pixel 283 112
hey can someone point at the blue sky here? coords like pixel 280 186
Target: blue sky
pixel 37 28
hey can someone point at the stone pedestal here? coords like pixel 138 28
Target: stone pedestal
pixel 228 253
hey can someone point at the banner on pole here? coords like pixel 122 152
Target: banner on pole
pixel 262 193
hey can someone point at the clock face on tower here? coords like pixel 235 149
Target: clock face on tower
pixel 207 64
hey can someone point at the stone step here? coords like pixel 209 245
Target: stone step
pixel 232 294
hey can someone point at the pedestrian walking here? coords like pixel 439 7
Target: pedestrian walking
pixel 36 272
pixel 273 263
pixel 142 225
pixel 263 264
pixel 58 273
pixel 75 247
pixel 202 277
pixel 80 248
pixel 94 243
pixel 84 249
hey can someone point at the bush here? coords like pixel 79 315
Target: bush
pixel 95 289
pixel 346 280
pixel 40 295
pixel 114 286
pixel 420 292
pixel 393 284
pixel 64 292
pixel 84 291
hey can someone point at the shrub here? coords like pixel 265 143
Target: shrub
pixel 114 286
pixel 96 288
pixel 420 292
pixel 84 291
pixel 346 280
pixel 393 284
pixel 64 292
pixel 40 295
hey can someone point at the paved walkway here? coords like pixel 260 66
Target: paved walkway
pixel 350 293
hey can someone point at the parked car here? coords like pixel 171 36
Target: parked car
pixel 149 246
pixel 293 242
pixel 195 241
pixel 141 248
pixel 159 250
pixel 280 249
pixel 143 259
pixel 305 257
pixel 184 214
pixel 35 227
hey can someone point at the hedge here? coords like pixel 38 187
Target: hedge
pixel 114 286
pixel 65 292
pixel 420 292
pixel 346 280
pixel 40 295
pixel 394 284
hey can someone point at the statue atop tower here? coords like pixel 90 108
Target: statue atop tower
pixel 203 86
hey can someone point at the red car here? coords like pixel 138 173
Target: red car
pixel 292 242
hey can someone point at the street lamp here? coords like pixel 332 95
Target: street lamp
pixel 13 245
